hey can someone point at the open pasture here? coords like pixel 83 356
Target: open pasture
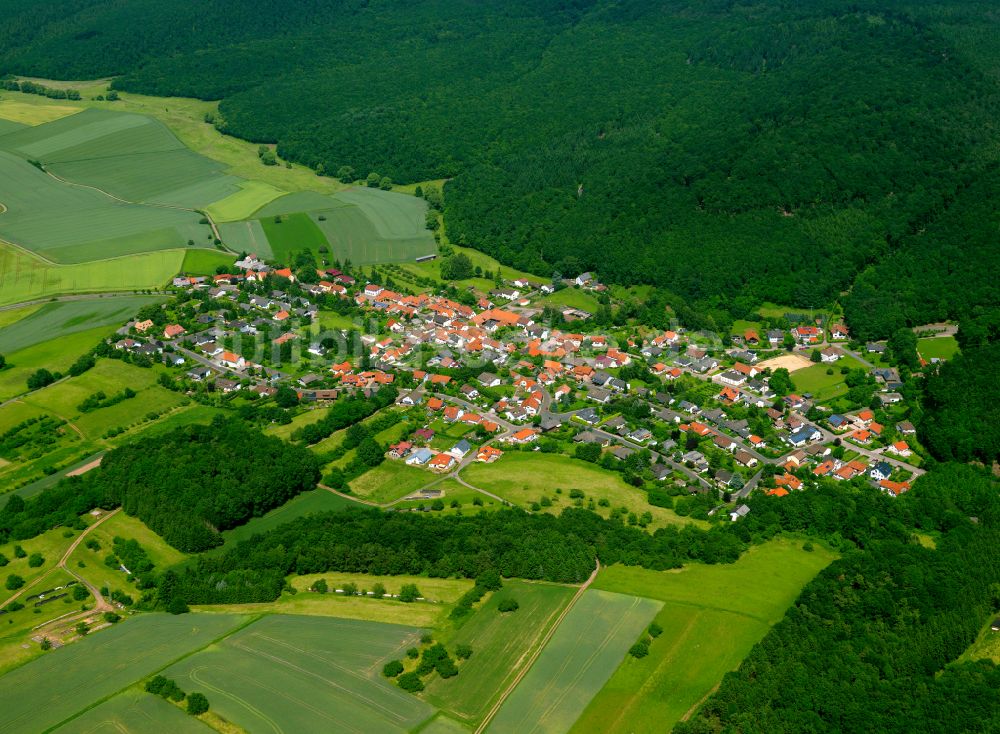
pixel 575 663
pixel 50 690
pixel 61 318
pixel 322 675
pixel 24 277
pixel 134 712
pixel 711 618
pixel 501 644
pixel 524 478
pixel 33 114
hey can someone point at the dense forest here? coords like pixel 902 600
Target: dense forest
pixel 196 481
pixel 728 152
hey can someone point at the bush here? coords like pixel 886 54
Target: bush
pixel 807 547
pixel 35 560
pixel 446 668
pixel 14 582
pixel 392 668
pixel 508 605
pixel 639 650
pixel 197 704
pixel 320 586
pixel 112 618
pixel 410 682
pixel 80 593
pixel 655 630
pixel 413 653
pixel 409 593
pixel 463 652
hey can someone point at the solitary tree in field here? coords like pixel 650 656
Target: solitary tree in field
pixel 197 704
pixel 409 593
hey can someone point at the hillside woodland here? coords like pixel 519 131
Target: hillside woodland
pixel 727 151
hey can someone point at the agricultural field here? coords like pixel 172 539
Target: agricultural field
pixel 524 478
pixel 62 318
pixel 574 665
pixel 323 674
pixel 242 204
pixel 819 384
pixel 712 616
pixel 246 236
pixel 502 644
pixel 49 691
pixel 289 233
pixel 940 347
pixel 134 712
pixel 24 277
pixel 46 216
pixel 204 262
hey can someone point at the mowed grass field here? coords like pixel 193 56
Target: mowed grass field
pixel 52 689
pixel 289 233
pixel 389 481
pixel 523 478
pixel 135 712
pixel 821 386
pixel 33 114
pixel 252 196
pixel 574 665
pixel 712 616
pixel 940 347
pixel 322 675
pixel 501 645
pixel 62 318
pixel 24 277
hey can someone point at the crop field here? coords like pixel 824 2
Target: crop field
pixel 819 384
pixel 323 675
pixel 941 347
pixel 24 277
pixel 134 712
pixel 523 478
pixel 246 236
pixel 253 195
pixel 204 262
pixel 59 319
pixel 33 114
pixel 132 157
pixel 712 617
pixel 292 233
pixel 577 661
pixel 48 691
pixel 501 644
pixel 389 481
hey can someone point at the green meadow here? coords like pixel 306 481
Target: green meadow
pixel 574 665
pixel 711 617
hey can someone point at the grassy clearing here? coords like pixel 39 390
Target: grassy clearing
pixel 34 114
pixel 241 205
pixel 55 687
pixel 389 481
pixel 135 712
pixel 572 298
pixel 446 591
pixel 819 384
pixel 24 277
pixel 307 503
pixel 204 262
pixel 577 661
pixel 712 617
pixel 986 646
pixel 284 432
pixel 942 347
pixel 54 355
pixel 501 643
pixel 524 478
pixel 322 673
pixel 61 318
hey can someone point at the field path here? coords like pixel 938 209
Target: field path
pixel 538 651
